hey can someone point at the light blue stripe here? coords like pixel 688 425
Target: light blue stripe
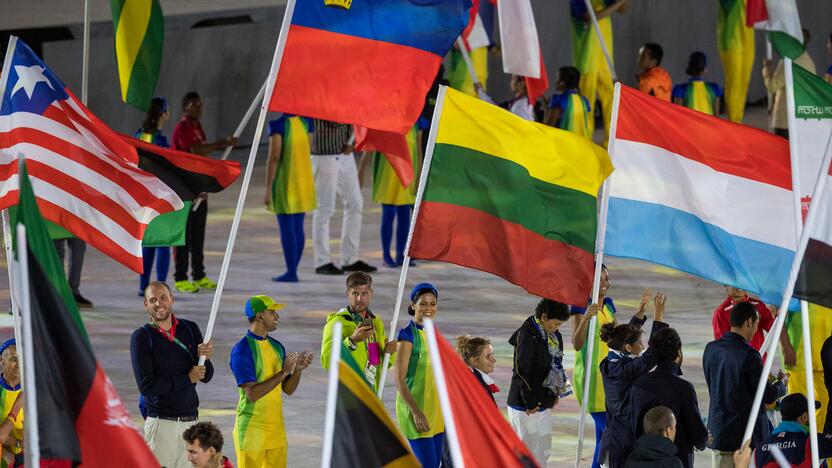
pixel 680 240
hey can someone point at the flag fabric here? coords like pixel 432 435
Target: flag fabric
pixel 702 195
pixel 485 438
pixel 364 435
pixel 521 46
pixel 139 36
pixel 394 147
pixel 377 58
pixel 536 87
pixel 511 197
pixel 81 418
pixel 86 177
pixel 813 125
pixel 815 275
pixel 782 22
pixel 475 35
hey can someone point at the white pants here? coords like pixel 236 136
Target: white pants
pixel 535 430
pixel 165 441
pixel 336 174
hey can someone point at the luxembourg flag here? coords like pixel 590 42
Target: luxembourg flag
pixel 701 194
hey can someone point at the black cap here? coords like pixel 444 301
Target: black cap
pixel 794 405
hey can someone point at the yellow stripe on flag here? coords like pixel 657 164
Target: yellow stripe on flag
pixel 362 391
pixel 549 154
pixel 132 27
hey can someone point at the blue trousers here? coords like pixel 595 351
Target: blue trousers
pixel 428 450
pixel 600 419
pixel 293 240
pixel 389 214
pixel 162 257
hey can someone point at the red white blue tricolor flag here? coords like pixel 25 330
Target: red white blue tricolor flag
pixel 702 195
pixel 365 62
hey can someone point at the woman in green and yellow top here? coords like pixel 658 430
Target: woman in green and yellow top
pixel 417 404
pixel 596 77
pixel 735 41
pixel 396 200
pixel 698 94
pixel 596 404
pixel 290 188
pixel 11 405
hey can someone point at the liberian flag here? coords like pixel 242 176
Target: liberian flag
pixel 86 177
pixel 521 46
pixel 368 63
pixel 780 18
pixel 511 197
pixel 478 428
pixel 81 418
pixel 702 195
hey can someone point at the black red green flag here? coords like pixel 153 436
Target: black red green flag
pixel 81 418
pixel 364 433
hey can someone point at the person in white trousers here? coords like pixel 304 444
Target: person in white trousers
pixel 336 174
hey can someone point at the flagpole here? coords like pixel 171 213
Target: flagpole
pixel 85 59
pixel 463 49
pixel 7 240
pixel 239 130
pixel 769 94
pixel 444 399
pixel 596 280
pixel 331 396
pixel 600 36
pixel 423 177
pixel 32 437
pixel 241 201
pixel 820 186
pixel 794 150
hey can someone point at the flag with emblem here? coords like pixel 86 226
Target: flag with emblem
pixel 86 177
pixel 81 419
pixel 139 35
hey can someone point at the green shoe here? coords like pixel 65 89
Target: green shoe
pixel 187 286
pixel 206 283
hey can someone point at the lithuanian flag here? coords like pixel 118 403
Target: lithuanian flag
pixel 139 33
pixel 510 197
pixel 364 434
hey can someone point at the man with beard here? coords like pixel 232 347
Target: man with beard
pixel 264 372
pixel 165 352
pixel 362 332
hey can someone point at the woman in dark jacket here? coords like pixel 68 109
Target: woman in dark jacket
pixel 538 379
pixel 663 386
pixel 622 366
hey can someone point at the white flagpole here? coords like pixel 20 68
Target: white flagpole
pixel 596 282
pixel 241 201
pixel 601 41
pixel 794 151
pixel 240 128
pixel 820 186
pixel 7 240
pixel 467 58
pixel 444 399
pixel 85 59
pixel 423 177
pixel 32 438
pixel 331 396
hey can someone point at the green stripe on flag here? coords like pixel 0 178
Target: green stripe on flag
pixel 812 95
pixel 168 229
pixel 786 45
pixel 139 38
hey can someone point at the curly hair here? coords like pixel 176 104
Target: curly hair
pixel 666 345
pixel 207 433
pixel 552 310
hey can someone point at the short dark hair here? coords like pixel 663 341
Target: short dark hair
pixel 655 51
pixel 359 278
pixel 207 433
pixel 658 420
pixel 741 312
pixel 697 62
pixel 616 336
pixel 552 310
pixel 665 345
pixel 570 76
pixel 189 97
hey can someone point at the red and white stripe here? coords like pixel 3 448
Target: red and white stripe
pixel 85 178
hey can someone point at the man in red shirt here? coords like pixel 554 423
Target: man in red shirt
pixel 189 136
pixel 722 315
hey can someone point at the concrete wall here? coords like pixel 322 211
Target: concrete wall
pixel 227 64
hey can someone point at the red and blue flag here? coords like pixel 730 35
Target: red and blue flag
pixel 365 62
